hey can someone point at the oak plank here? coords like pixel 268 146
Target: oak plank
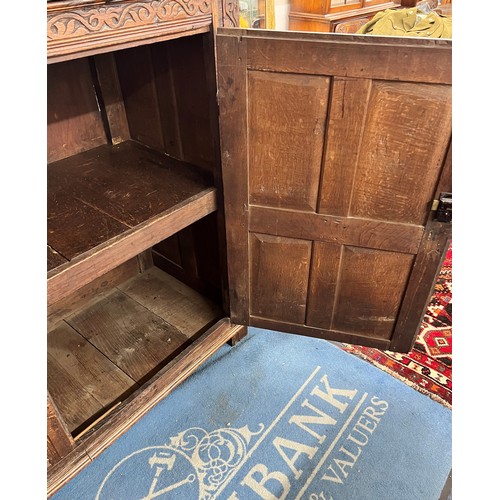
pixel 405 138
pixel 131 336
pixel 232 85
pixel 81 379
pixel 91 292
pixel 349 101
pixel 138 404
pixel 370 290
pixel 179 305
pixel 285 153
pixel 74 227
pixel 354 231
pixel 128 181
pixel 325 266
pixel 351 56
pixel 280 274
pixel 89 266
pixel 74 122
pixel 59 439
pixel 428 262
pixel 184 96
pixel 136 73
pixel 333 334
pixel 109 86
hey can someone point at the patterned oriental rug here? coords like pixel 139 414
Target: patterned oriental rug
pixel 427 368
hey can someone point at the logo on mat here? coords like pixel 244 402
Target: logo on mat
pixel 193 464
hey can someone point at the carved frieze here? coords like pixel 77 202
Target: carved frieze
pixel 123 15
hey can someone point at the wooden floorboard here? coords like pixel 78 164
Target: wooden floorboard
pixel 131 336
pixel 176 303
pixel 113 202
pixel 81 380
pixel 110 346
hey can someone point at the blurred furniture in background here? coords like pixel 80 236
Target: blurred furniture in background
pixel 348 16
pixel 335 16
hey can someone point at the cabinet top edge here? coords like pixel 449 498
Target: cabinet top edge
pixel 305 36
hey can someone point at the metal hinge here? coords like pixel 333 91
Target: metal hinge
pixel 442 208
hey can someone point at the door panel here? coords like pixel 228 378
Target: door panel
pixel 371 285
pixel 333 149
pixel 285 158
pixel 401 153
pixel 279 279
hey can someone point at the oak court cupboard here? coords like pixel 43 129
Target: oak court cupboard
pixel 202 178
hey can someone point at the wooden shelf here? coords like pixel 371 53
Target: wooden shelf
pixel 102 352
pixel 110 203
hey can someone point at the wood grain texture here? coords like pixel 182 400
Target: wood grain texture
pixel 349 102
pixel 110 90
pixel 59 440
pixel 138 404
pixel 325 267
pixel 69 277
pixel 75 227
pixel 81 379
pixel 404 144
pixel 232 84
pixel 429 259
pixel 377 176
pixel 128 334
pixel 357 56
pixel 320 333
pixel 280 273
pixel 339 230
pixel 135 198
pixel 183 64
pixel 91 292
pixel 176 303
pixel 74 121
pixel 371 286
pixel 285 153
pixel 138 83
pixel 128 181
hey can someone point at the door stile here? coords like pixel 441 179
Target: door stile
pixel 232 97
pixel 428 262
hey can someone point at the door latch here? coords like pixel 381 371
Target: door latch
pixel 442 208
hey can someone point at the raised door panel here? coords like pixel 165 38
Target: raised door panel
pixel 284 157
pixel 332 151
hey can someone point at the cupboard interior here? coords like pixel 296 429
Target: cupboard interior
pixel 133 251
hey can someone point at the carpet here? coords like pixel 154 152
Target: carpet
pixel 428 366
pixel 278 416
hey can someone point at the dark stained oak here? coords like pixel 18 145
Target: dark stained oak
pixel 279 144
pixel 280 272
pixel 342 155
pixel 74 122
pixel 110 203
pixel 54 258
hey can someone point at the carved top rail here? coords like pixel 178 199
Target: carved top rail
pixel 77 28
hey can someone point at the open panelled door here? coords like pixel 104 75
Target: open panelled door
pixel 334 148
